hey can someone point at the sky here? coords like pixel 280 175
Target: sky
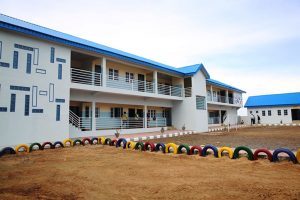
pixel 253 45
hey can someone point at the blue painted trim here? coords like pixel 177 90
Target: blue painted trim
pixel 57 112
pixel 279 105
pixel 59 73
pixel 34 94
pixel 85 47
pixel 37 110
pixel 3 109
pixel 43 92
pixel 61 60
pixel 20 88
pixel 60 100
pixel 27 102
pixel 12 102
pixel 19 46
pixel 51 90
pixel 223 85
pixel 40 71
pixel 52 54
pixel 15 60
pixel 4 64
pixel 28 66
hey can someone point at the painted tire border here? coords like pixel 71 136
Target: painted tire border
pixel 25 146
pixel 284 150
pixel 35 144
pixel 173 145
pixel 130 145
pixel 228 149
pixel 120 141
pixel 262 150
pixel 7 150
pixel 244 148
pixel 181 146
pixel 138 145
pixel 47 143
pixel 162 145
pixel 192 150
pixel 60 144
pixel 209 146
pixel 66 141
pixel 77 141
pixel 298 155
pixel 86 139
pixel 94 139
pixel 151 144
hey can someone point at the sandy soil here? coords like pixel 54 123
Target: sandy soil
pixel 260 137
pixel 104 172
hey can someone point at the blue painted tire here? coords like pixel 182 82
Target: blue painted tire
pixel 93 141
pixel 7 150
pixel 120 141
pixel 162 145
pixel 35 144
pixel 58 143
pixel 209 146
pixel 287 151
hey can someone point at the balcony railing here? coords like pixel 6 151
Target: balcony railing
pixel 220 99
pixel 86 77
pixel 93 78
pixel 169 90
pixel 213 120
pixel 129 84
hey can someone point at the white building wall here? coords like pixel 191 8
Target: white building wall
pixel 231 112
pixel 274 118
pixel 17 128
pixel 185 112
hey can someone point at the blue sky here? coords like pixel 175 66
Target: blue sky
pixel 253 45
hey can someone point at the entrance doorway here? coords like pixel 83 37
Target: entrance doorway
pixel 223 116
pixel 295 114
pixel 141 82
pixel 131 112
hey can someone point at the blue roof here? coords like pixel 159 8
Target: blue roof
pixel 18 25
pixel 223 85
pixel 287 99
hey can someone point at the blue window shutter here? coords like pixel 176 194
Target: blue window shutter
pixel 57 112
pixel 28 68
pixel 27 101
pixel 16 60
pixel 12 102
pixel 59 71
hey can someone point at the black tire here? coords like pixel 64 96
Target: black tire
pixel 93 141
pixel 35 144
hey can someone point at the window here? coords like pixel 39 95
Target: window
pixel 27 101
pixel 200 103
pixel 59 72
pixel 279 112
pixel 285 112
pixel 116 112
pixel 57 112
pixel 97 112
pixel 250 112
pixel 52 55
pixel 16 59
pixel 129 77
pixel 269 113
pixel 12 102
pixel 257 111
pixel 151 113
pixel 87 111
pixel 113 74
pixel 263 113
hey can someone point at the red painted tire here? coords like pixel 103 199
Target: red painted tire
pixel 86 139
pixel 192 151
pixel 47 143
pixel 113 142
pixel 147 144
pixel 266 151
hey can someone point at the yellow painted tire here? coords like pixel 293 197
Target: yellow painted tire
pixel 174 146
pixel 102 140
pixel 25 146
pixel 66 141
pixel 132 145
pixel 228 149
pixel 298 155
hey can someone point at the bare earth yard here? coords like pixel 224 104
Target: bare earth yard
pixel 259 137
pixel 105 172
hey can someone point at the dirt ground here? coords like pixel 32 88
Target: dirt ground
pixel 259 137
pixel 105 172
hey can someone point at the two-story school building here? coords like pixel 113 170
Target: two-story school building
pixel 55 86
pixel 274 108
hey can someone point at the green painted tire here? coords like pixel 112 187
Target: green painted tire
pixel 238 149
pixel 180 147
pixel 75 142
pixel 35 144
pixel 107 141
pixel 139 146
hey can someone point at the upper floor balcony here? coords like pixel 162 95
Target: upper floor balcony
pixel 221 96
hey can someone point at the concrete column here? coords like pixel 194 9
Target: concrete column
pixel 93 116
pixel 155 82
pixel 227 98
pixel 103 66
pixel 145 116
